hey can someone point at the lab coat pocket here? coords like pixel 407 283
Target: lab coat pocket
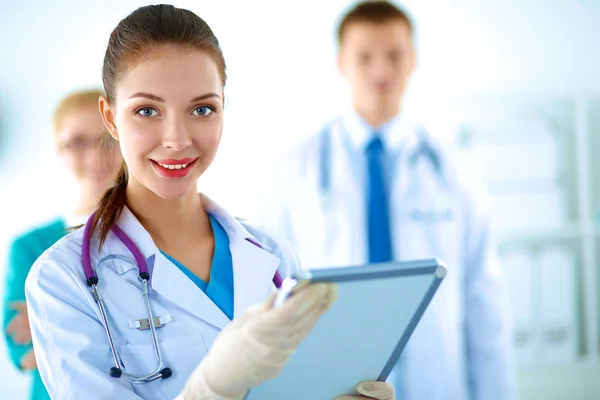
pixel 181 354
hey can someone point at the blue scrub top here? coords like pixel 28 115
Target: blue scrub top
pixel 23 252
pixel 220 286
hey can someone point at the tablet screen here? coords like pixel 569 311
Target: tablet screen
pixel 361 336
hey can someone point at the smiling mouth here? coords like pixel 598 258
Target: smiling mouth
pixel 174 168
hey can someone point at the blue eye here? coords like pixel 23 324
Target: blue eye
pixel 147 112
pixel 203 111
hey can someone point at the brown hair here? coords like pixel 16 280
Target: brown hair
pixel 72 102
pixel 141 34
pixel 375 11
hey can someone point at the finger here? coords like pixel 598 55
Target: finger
pixel 287 328
pixel 279 333
pixel 19 306
pixel 376 390
pixel 291 335
pixel 306 323
pixel 318 308
pixel 23 338
pixel 274 328
pixel 352 397
pixel 11 327
pixel 303 302
pixel 17 324
pixel 303 308
pixel 357 397
pixel 284 325
pixel 268 304
pixel 28 361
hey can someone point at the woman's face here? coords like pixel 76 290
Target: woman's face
pixel 168 117
pixel 93 162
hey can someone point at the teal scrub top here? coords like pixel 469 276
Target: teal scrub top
pixel 220 285
pixel 23 252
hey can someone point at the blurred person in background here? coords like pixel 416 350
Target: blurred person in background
pixel 374 186
pixel 92 158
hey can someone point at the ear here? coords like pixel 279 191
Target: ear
pixel 340 63
pixel 57 145
pixel 412 59
pixel 108 117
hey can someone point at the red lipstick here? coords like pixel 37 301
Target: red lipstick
pixel 173 168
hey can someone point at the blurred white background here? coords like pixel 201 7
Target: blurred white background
pixel 492 75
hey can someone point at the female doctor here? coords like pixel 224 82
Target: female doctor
pixel 209 278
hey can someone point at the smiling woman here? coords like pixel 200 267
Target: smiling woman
pixel 200 279
pixel 176 120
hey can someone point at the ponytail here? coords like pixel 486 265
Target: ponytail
pixel 111 205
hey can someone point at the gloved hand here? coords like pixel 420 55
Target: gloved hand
pixel 255 347
pixel 372 390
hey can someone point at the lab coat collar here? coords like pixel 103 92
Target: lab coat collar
pixel 232 225
pixel 253 267
pixel 72 220
pixel 393 133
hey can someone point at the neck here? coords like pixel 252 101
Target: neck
pixel 173 222
pixel 377 114
pixel 87 203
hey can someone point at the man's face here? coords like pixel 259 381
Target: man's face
pixel 377 59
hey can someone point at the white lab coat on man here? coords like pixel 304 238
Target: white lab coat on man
pixel 461 348
pixel 71 346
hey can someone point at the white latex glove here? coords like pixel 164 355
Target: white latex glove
pixel 372 390
pixel 255 347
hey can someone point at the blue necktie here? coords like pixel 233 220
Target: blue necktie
pixel 378 221
pixel 378 233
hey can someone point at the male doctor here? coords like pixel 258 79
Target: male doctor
pixel 373 186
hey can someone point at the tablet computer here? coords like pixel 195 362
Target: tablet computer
pixel 362 335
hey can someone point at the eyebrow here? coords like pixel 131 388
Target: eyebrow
pixel 151 96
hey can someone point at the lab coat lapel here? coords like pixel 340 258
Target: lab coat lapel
pixel 166 278
pixel 171 283
pixel 253 266
pixel 253 272
pixel 403 170
pixel 344 242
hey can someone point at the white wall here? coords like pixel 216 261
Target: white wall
pixel 282 80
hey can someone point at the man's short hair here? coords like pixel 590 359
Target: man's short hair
pixel 376 11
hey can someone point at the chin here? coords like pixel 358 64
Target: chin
pixel 386 99
pixel 98 187
pixel 173 191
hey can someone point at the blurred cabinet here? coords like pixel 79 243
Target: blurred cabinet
pixel 540 162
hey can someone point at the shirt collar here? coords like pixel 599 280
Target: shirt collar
pixel 392 133
pixel 73 220
pixel 134 229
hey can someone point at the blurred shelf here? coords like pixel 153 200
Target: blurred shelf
pixel 569 232
pixel 578 363
pixel 578 380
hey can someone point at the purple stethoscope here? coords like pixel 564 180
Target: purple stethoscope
pixel 92 280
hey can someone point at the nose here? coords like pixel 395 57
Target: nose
pixel 382 67
pixel 176 135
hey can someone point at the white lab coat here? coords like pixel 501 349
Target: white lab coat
pixel 70 342
pixel 461 347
